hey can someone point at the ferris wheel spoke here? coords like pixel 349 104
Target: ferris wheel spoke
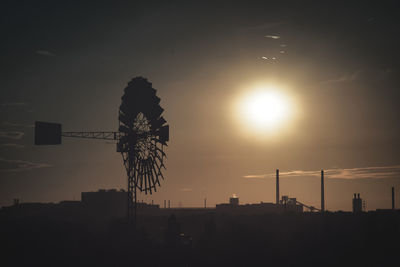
pixel 150 174
pixel 157 156
pixel 154 181
pixel 145 177
pixel 141 174
pixel 136 162
pixel 151 177
pixel 161 151
pixel 159 173
pixel 155 172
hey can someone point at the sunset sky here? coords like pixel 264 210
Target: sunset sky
pixel 334 67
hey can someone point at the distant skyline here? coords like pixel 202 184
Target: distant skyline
pixel 337 62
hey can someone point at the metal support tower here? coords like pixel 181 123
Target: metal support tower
pixel 277 186
pixel 322 192
pixel 392 198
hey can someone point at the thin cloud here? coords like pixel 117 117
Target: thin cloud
pixel 11 135
pixel 269 58
pixel 13 104
pixel 7 165
pixel 364 173
pixel 12 124
pixel 45 53
pixel 365 75
pixel 7 123
pixel 256 176
pixel 186 189
pixel 12 145
pixel 350 173
pixel 275 37
pixel 260 27
pixel 344 78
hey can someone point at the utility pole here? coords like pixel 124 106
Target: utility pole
pixel 277 186
pixel 392 197
pixel 322 192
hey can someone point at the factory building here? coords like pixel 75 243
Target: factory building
pixel 234 200
pixel 286 205
pixel 357 203
pixel 111 203
pixel 101 202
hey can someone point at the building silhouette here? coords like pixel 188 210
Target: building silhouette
pixel 286 204
pixel 357 203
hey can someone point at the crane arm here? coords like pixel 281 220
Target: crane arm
pixel 93 135
pixel 48 133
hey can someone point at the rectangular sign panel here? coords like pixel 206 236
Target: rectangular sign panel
pixel 47 133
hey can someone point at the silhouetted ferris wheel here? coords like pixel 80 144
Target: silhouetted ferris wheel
pixel 141 138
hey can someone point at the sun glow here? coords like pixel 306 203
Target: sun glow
pixel 264 109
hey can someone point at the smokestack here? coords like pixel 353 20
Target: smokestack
pixel 169 203
pixel 392 198
pixel 322 192
pixel 205 203
pixel 277 186
pixel 165 204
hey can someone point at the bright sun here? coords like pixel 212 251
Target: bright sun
pixel 264 108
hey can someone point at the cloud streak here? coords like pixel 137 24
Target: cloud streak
pixel 269 58
pixel 275 37
pixel 186 189
pixel 365 75
pixel 13 124
pixel 12 145
pixel 349 173
pixel 344 78
pixel 13 104
pixel 11 135
pixel 7 165
pixel 262 27
pixel 45 53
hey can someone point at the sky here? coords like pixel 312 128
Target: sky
pixel 337 64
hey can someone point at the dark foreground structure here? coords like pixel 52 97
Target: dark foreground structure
pixel 62 235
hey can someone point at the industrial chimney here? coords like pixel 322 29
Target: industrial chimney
pixel 392 198
pixel 277 186
pixel 322 192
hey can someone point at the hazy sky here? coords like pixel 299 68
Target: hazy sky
pixel 338 63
